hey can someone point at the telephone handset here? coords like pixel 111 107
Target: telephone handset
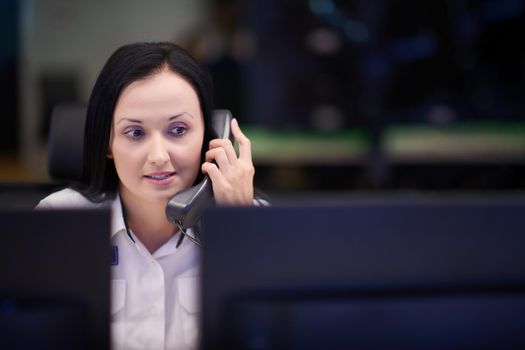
pixel 186 207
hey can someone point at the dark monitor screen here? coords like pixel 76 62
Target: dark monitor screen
pixel 409 273
pixel 54 284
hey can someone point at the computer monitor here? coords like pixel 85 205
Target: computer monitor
pixel 54 279
pixel 399 273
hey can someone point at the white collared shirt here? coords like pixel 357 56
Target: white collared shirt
pixel 154 297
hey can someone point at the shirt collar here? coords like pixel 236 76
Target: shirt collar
pixel 117 219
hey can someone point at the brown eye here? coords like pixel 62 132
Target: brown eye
pixel 177 130
pixel 134 133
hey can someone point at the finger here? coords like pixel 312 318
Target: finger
pixel 218 182
pixel 245 145
pixel 213 172
pixel 219 156
pixel 227 146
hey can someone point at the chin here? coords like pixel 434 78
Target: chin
pixel 165 194
pixel 155 196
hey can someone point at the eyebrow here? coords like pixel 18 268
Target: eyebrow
pixel 169 119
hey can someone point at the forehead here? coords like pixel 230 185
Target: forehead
pixel 162 94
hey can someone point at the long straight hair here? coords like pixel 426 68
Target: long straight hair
pixel 127 64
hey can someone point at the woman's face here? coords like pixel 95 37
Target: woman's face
pixel 156 137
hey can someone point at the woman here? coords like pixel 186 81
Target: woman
pixel 147 137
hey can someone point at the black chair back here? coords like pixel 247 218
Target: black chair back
pixel 66 142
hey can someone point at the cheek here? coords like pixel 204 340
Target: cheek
pixel 124 157
pixel 192 155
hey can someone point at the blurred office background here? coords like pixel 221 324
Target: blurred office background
pixel 337 96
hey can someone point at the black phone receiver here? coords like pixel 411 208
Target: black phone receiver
pixel 186 207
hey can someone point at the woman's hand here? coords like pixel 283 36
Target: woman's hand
pixel 231 176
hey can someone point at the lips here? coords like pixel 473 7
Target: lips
pixel 160 178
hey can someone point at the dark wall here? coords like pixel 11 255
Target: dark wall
pixel 9 75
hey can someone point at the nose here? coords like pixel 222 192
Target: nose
pixel 157 151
